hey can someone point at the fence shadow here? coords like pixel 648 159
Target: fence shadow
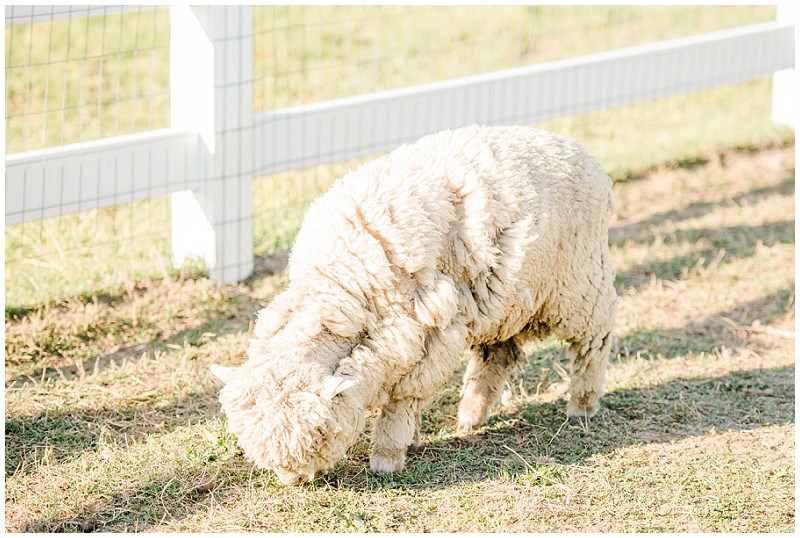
pixel 733 242
pixel 63 435
pixel 621 233
pixel 220 324
pixel 159 498
pixel 727 327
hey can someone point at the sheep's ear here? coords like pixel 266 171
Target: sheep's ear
pixel 333 385
pixel 225 374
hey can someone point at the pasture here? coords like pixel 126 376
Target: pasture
pixel 111 417
pixel 77 80
pixel 112 422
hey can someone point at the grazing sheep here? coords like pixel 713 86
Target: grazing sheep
pixel 478 238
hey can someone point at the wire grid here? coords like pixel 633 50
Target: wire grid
pixel 85 78
pixel 86 74
pixel 82 78
pixel 304 55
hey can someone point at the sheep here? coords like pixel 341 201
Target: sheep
pixel 479 239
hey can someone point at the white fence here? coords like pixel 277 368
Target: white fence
pixel 216 145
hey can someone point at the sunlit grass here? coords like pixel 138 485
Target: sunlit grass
pixel 113 424
pixel 103 76
pixel 309 55
pixel 84 78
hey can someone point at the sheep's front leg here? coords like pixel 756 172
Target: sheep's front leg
pixel 588 362
pixel 396 431
pixel 489 368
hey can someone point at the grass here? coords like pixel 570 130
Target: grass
pixel 58 258
pixel 81 79
pixel 298 52
pixel 112 422
pixel 85 78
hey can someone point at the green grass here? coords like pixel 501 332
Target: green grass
pixel 76 254
pixel 113 85
pixel 112 422
pixel 85 78
pixel 298 52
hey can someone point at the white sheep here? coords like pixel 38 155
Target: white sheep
pixel 478 238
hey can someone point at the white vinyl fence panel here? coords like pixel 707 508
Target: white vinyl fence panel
pixel 216 145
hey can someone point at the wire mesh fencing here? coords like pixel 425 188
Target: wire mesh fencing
pixel 84 75
pixel 76 75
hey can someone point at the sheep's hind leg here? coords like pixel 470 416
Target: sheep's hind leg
pixel 488 369
pixel 588 331
pixel 396 432
pixel 588 362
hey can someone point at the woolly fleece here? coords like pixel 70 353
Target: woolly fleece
pixel 473 239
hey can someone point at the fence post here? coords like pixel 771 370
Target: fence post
pixel 211 93
pixel 784 85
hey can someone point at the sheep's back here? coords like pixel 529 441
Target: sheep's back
pixel 504 214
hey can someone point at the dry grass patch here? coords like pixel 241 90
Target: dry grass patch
pixel 112 422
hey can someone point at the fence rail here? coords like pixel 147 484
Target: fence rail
pixel 367 124
pixel 217 145
pixel 29 14
pixel 66 179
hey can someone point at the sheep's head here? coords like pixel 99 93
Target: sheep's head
pixel 288 408
pixel 293 418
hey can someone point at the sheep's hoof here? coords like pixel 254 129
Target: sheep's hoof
pixel 466 426
pixel 288 478
pixel 387 461
pixel 578 420
pixel 470 417
pixel 580 417
pixel 582 407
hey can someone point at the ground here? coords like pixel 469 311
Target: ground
pixel 112 422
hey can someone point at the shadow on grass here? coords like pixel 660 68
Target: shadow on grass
pixel 218 323
pixel 728 328
pixel 63 435
pixel 508 446
pixel 109 296
pixel 239 311
pixel 731 242
pixel 511 443
pixel 634 231
pixel 531 444
pixel 68 433
pixel 158 498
